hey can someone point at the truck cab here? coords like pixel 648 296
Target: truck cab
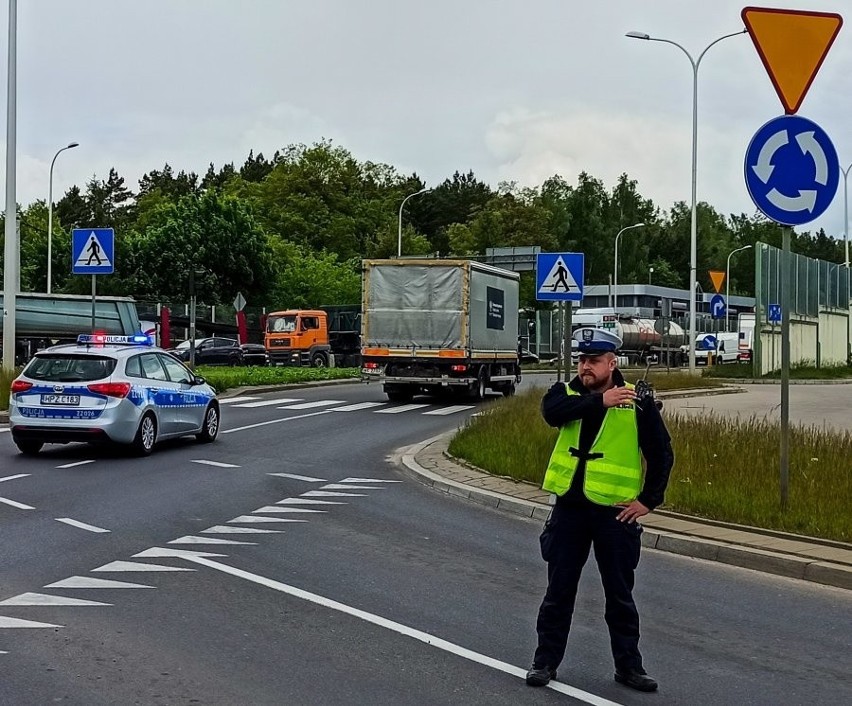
pixel 298 337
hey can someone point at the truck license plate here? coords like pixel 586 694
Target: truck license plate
pixel 53 399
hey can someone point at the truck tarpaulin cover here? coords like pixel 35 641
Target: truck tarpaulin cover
pixel 414 305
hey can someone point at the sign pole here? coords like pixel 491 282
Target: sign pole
pixel 785 366
pixel 569 350
pixel 94 295
pixel 561 343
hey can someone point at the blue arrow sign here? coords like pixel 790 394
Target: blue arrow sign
pixel 718 307
pixel 559 276
pixel 774 314
pixel 92 251
pixel 791 170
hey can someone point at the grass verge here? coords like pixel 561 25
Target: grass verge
pixel 228 378
pixel 725 469
pixel 798 371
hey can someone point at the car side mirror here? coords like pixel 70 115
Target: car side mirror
pixel 198 380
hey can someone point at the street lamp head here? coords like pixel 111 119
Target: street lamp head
pixel 638 35
pixel 72 145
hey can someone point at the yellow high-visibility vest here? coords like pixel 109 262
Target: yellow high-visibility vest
pixel 613 463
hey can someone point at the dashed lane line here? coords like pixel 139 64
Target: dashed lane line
pixel 293 476
pixel 76 463
pixel 308 501
pixel 368 480
pixel 134 566
pixel 311 405
pixel 437 642
pixel 401 409
pixel 275 508
pixel 15 477
pixel 359 406
pixel 221 529
pixel 15 503
pixel 331 494
pixel 217 464
pixel 81 525
pixel 344 486
pixel 237 400
pixel 448 410
pixel 249 519
pixel 19 623
pixel 190 539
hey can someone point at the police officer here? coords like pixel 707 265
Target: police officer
pixel 596 472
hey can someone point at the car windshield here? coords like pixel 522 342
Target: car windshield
pixel 69 368
pixel 281 324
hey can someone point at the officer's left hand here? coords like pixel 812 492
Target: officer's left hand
pixel 631 512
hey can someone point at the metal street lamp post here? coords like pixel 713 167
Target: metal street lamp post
pixel 399 241
pixel 50 214
pixel 650 272
pixel 615 264
pixel 693 239
pixel 846 213
pixel 728 282
pixel 11 265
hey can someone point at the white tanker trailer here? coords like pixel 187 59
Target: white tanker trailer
pixel 639 337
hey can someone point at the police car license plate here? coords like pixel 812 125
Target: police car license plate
pixel 69 400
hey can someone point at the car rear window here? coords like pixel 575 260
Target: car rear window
pixel 64 367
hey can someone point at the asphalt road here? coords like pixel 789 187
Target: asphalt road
pixel 390 594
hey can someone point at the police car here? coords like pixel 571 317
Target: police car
pixel 109 388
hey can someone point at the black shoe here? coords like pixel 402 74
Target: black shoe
pixel 540 677
pixel 635 679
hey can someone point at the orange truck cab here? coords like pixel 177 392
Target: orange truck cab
pixel 298 337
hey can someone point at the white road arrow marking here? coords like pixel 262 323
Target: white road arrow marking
pixel 293 476
pixel 45 599
pixel 764 167
pixel 805 201
pixel 18 623
pixel 89 582
pixel 132 566
pixel 809 145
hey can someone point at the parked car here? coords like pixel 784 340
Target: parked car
pixel 109 389
pixel 254 354
pixel 211 351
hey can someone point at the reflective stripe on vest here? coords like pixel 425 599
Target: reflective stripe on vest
pixel 613 463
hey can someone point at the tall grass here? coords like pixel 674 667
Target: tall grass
pixel 6 378
pixel 725 468
pixel 804 370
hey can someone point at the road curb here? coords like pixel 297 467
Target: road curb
pixel 807 568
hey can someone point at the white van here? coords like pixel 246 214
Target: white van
pixel 716 348
pixel 746 340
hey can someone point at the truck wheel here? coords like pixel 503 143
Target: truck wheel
pixel 508 389
pixel 318 360
pixel 400 396
pixel 481 385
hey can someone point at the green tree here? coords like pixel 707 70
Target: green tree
pixel 308 279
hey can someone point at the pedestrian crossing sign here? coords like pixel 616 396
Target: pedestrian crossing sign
pixel 559 276
pixel 92 251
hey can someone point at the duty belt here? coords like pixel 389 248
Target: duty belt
pixel 584 455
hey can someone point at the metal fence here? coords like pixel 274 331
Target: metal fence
pixel 815 285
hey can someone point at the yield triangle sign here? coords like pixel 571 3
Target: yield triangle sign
pixel 792 45
pixel 559 279
pixel 718 279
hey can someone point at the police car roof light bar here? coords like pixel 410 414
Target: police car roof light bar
pixel 88 339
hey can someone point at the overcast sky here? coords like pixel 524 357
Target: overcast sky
pixel 514 90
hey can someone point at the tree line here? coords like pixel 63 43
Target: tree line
pixel 291 230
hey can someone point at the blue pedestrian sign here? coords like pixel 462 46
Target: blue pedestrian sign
pixel 791 170
pixel 92 251
pixel 559 276
pixel 774 314
pixel 718 309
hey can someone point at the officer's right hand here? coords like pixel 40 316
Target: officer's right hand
pixel 616 396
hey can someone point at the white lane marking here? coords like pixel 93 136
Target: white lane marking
pixel 293 476
pixel 368 480
pixel 221 529
pixel 4 429
pixel 131 566
pixel 332 494
pixel 15 503
pixel 268 403
pixel 89 582
pixel 190 539
pixel 276 421
pixel 311 405
pixel 258 518
pixel 273 508
pixel 20 475
pixel 76 463
pixel 236 400
pixel 2 652
pixel 81 525
pixel 45 599
pixel 425 637
pixel 160 552
pixel 359 406
pixel 306 501
pixel 18 623
pixel 401 408
pixel 218 464
pixel 449 410
pixel 342 486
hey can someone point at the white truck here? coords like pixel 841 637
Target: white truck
pixel 745 343
pixel 716 348
pixel 428 326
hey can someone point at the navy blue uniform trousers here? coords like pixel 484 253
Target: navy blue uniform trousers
pixel 572 530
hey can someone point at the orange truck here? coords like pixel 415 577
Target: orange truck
pixel 320 338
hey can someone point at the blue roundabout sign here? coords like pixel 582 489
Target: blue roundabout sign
pixel 791 170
